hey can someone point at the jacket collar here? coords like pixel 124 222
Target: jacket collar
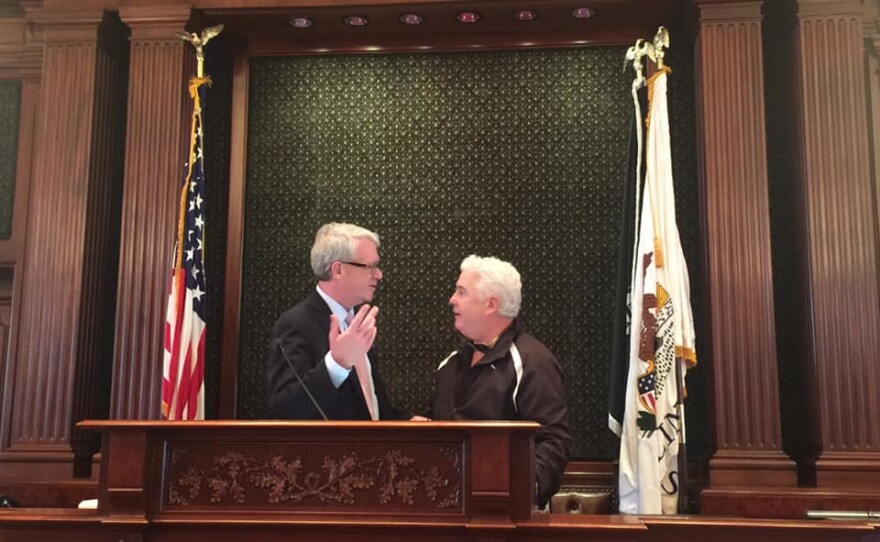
pixel 499 349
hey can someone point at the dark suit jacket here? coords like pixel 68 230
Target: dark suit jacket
pixel 303 332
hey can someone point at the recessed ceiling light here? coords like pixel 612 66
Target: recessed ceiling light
pixel 468 17
pixel 299 22
pixel 356 20
pixel 525 15
pixel 583 13
pixel 411 18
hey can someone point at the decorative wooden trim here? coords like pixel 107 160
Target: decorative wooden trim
pixel 234 239
pixel 66 27
pixel 30 99
pixel 11 249
pixel 443 44
pixel 783 502
pixel 20 55
pixel 59 341
pixel 733 162
pixel 829 8
pixel 729 12
pixel 737 468
pixel 58 349
pixel 160 23
pixel 849 471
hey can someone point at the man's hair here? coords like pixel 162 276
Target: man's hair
pixel 337 242
pixel 497 278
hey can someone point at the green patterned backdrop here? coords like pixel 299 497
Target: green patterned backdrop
pixel 10 107
pixel 516 154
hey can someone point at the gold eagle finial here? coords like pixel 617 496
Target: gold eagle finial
pixel 199 41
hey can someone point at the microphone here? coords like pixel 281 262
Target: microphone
pixel 300 380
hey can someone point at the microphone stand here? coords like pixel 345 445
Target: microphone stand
pixel 300 380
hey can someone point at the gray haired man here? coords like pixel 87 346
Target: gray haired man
pixel 500 372
pixel 326 341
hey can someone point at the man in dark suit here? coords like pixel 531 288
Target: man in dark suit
pixel 329 344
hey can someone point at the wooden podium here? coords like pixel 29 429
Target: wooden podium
pixel 405 472
pixel 265 481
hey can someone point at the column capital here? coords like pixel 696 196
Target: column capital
pixel 825 8
pixel 715 11
pixel 21 50
pixel 156 22
pixel 871 31
pixel 64 27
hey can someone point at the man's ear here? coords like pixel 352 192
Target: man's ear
pixel 492 304
pixel 335 269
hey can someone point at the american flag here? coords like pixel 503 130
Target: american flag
pixel 183 368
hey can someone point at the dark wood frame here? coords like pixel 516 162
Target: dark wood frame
pixel 620 31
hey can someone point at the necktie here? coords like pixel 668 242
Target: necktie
pixel 363 374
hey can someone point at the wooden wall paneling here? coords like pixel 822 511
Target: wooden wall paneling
pixel 234 238
pixel 5 320
pixel 21 58
pixel 157 134
pixel 733 162
pixel 58 342
pixel 841 243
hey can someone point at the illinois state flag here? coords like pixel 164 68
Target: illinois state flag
pixel 183 368
pixel 662 334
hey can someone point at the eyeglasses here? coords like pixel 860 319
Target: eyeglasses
pixel 372 267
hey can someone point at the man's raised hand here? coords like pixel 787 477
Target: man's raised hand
pixel 352 344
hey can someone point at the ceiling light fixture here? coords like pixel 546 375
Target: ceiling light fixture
pixel 583 13
pixel 525 15
pixel 467 17
pixel 411 18
pixel 300 22
pixel 356 20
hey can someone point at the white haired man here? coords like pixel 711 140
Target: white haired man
pixel 500 372
pixel 326 340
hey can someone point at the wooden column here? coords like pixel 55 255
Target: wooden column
pixel 841 240
pixel 158 123
pixel 733 161
pixel 61 354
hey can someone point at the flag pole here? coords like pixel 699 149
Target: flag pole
pixel 682 449
pixel 183 361
pixel 657 53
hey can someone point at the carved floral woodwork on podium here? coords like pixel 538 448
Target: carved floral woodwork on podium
pixel 307 476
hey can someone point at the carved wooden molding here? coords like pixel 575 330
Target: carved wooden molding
pixel 21 48
pixel 66 27
pixel 155 23
pixel 871 31
pixel 825 8
pixel 714 12
pixel 396 476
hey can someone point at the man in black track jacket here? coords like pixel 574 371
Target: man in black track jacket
pixel 500 372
